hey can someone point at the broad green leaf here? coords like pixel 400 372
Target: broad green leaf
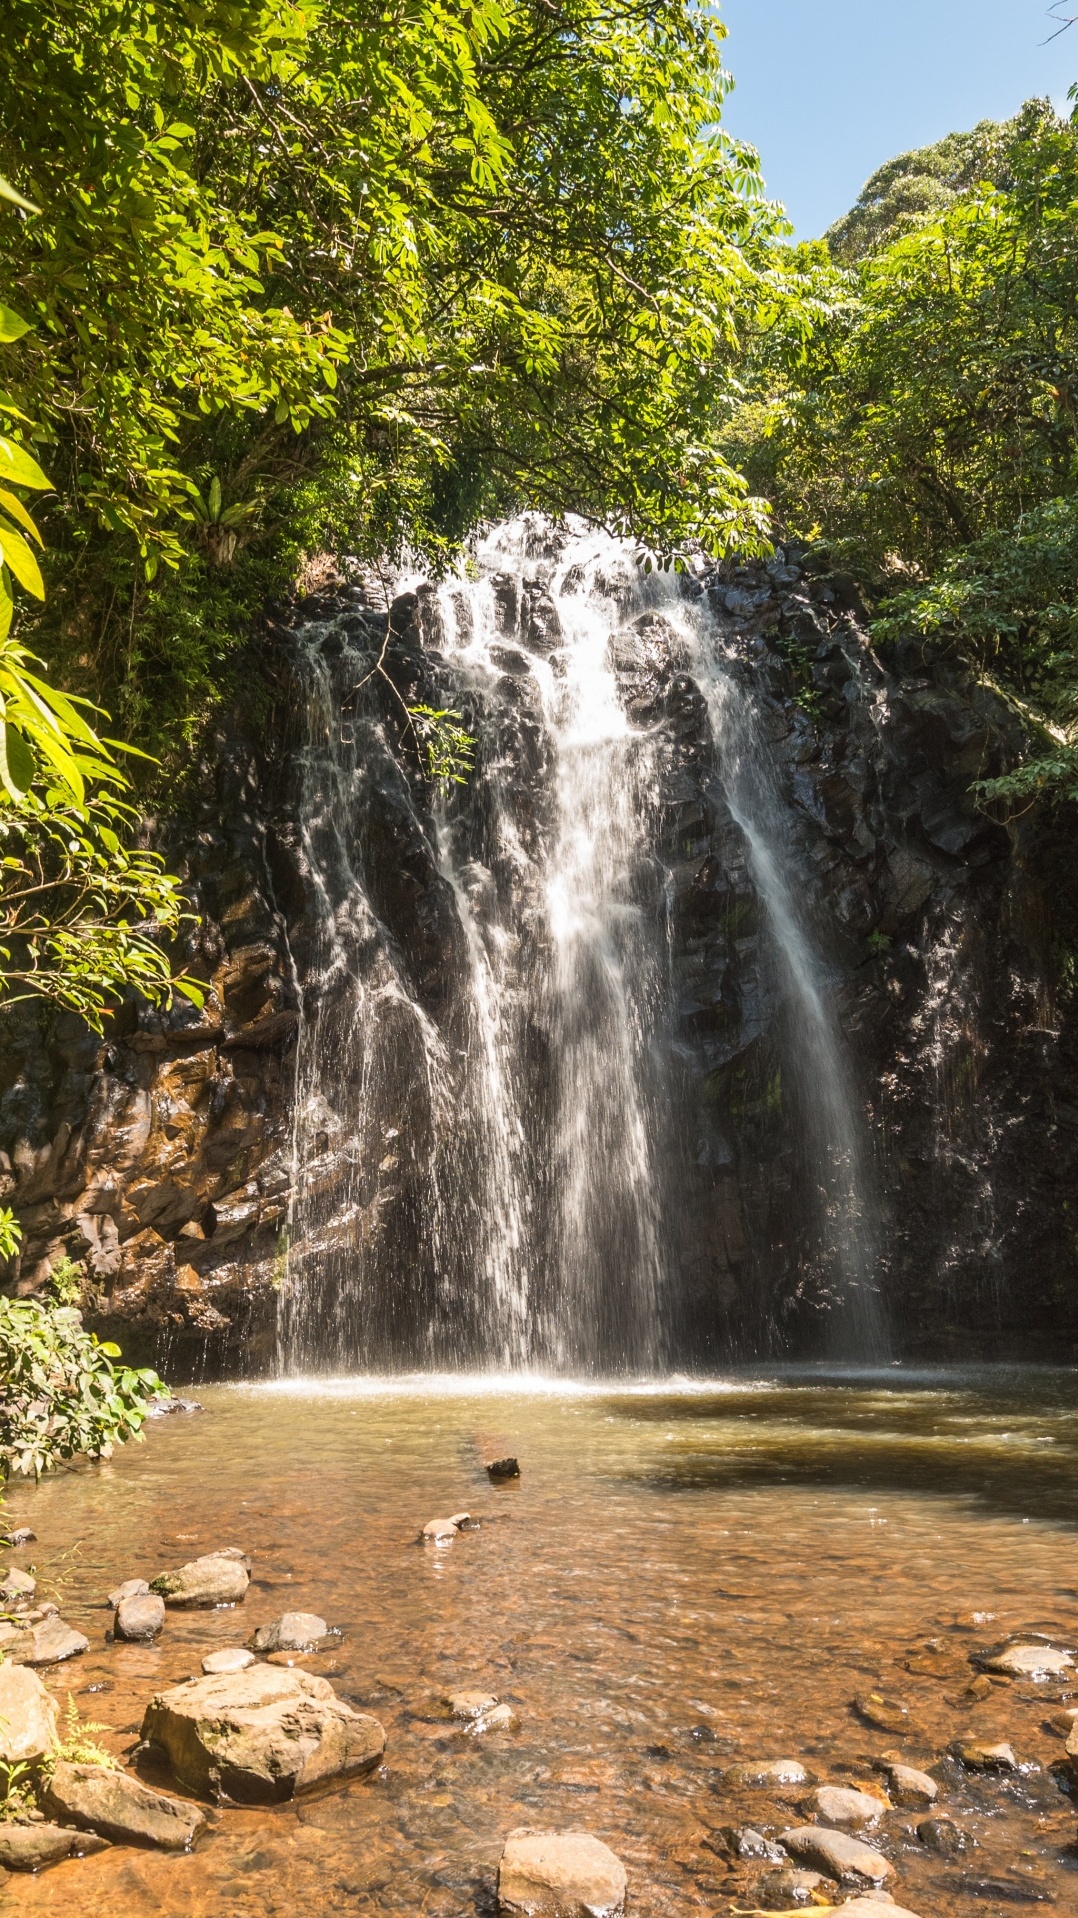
pixel 16 763
pixel 19 557
pixel 18 512
pixel 11 326
pixel 8 192
pixel 18 465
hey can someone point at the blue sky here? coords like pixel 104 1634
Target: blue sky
pixel 829 89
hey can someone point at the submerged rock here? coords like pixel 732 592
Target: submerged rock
pixel 911 1787
pixel 131 1588
pixel 502 1719
pixel 836 1853
pixel 743 1841
pixel 840 1805
pixel 35 1847
pixel 28 1717
pixel 292 1632
pixel 440 1531
pixel 119 1806
pixel 234 1658
pixel 219 1578
pixel 261 1735
pixel 470 1704
pixel 1030 1661
pixel 22 1535
pixel 559 1874
pixel 774 1771
pixel 139 1617
pixel 785 1890
pixel 884 1714
pixel 944 1837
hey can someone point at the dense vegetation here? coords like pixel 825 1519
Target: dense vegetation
pixel 926 428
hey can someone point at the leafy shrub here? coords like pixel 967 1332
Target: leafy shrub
pixel 61 1395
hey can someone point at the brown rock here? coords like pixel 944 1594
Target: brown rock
pixel 836 1853
pixel 885 1714
pixel 978 1757
pixel 28 1717
pixel 117 1805
pixel 470 1704
pixel 131 1588
pixel 1030 1661
pixel 292 1632
pixel 35 1847
pixel 559 1874
pixel 219 1578
pixel 774 1771
pixel 261 1735
pixel 839 1805
pixel 786 1890
pixel 48 1643
pixel 139 1617
pixel 911 1787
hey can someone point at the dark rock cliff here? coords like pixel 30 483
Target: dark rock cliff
pixel 162 1158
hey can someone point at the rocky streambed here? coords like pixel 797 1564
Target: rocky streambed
pixel 768 1645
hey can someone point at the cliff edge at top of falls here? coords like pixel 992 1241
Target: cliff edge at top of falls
pixel 164 1158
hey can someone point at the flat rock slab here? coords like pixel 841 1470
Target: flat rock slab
pixel 234 1658
pixel 35 1847
pixel 139 1617
pixel 292 1632
pixel 131 1588
pixel 120 1807
pixel 220 1578
pixel 839 1805
pixel 261 1735
pixel 559 1874
pixel 911 1787
pixel 48 1643
pixel 775 1771
pixel 836 1853
pixel 1030 1661
pixel 28 1717
pixel 17 1585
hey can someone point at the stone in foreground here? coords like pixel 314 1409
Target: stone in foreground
pixel 776 1771
pixel 292 1632
pixel 261 1735
pixel 35 1847
pixel 911 1787
pixel 220 1578
pixel 139 1617
pixel 836 1853
pixel 559 1874
pixel 48 1643
pixel 786 1890
pixel 840 1805
pixel 120 1807
pixel 1030 1661
pixel 233 1658
pixel 28 1717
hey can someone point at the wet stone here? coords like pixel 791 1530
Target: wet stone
pixel 978 1757
pixel 22 1535
pixel 17 1586
pixel 774 1771
pixel 840 1805
pixel 470 1704
pixel 131 1588
pixel 292 1632
pixel 503 1468
pixel 49 1643
pixel 786 1890
pixel 837 1853
pixel 139 1617
pixel 28 1716
pixel 883 1714
pixel 559 1874
pixel 502 1719
pixel 121 1807
pixel 35 1847
pixel 911 1787
pixel 944 1837
pixel 1030 1661
pixel 743 1841
pixel 234 1658
pixel 218 1578
pixel 440 1531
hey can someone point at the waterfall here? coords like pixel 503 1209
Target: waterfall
pixel 485 1157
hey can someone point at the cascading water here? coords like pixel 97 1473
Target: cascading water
pixel 526 1129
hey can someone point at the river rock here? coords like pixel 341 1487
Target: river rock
pixel 47 1643
pixel 220 1578
pixel 836 1853
pixel 292 1632
pixel 28 1716
pixel 884 1714
pixel 141 1616
pixel 944 1837
pixel 502 1719
pixel 775 1771
pixel 131 1588
pixel 503 1468
pixel 978 1757
pixel 911 1787
pixel 119 1806
pixel 22 1535
pixel 470 1704
pixel 1030 1661
pixel 261 1735
pixel 17 1587
pixel 559 1874
pixel 234 1658
pixel 785 1890
pixel 460 1519
pixel 743 1841
pixel 35 1847
pixel 439 1531
pixel 839 1805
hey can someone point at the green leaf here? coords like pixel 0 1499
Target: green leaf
pixel 11 326
pixel 16 464
pixel 18 512
pixel 8 192
pixel 16 762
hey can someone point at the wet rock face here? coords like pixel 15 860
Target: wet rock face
pixel 161 1159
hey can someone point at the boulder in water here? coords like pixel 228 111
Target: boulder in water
pixel 139 1617
pixel 46 1643
pixel 233 1658
pixel 944 1837
pixel 1030 1661
pixel 786 1890
pixel 219 1578
pixel 440 1531
pixel 559 1874
pixel 839 1805
pixel 745 1842
pixel 837 1853
pixel 503 1468
pixel 131 1588
pixel 771 1772
pixel 34 1847
pixel 884 1714
pixel 292 1632
pixel 983 1757
pixel 909 1786
pixel 261 1735
pixel 470 1704
pixel 121 1807
pixel 502 1719
pixel 28 1717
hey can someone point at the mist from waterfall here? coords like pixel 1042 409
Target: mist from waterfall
pixel 525 1131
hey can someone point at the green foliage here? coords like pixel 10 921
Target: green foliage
pixel 324 275
pixel 10 1233
pixel 17 1795
pixel 63 1395
pixel 67 1280
pixel 79 1742
pixel 448 752
pixel 915 187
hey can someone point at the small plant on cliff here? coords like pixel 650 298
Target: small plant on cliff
pixel 61 1394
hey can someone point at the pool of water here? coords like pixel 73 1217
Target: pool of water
pixel 684 1577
